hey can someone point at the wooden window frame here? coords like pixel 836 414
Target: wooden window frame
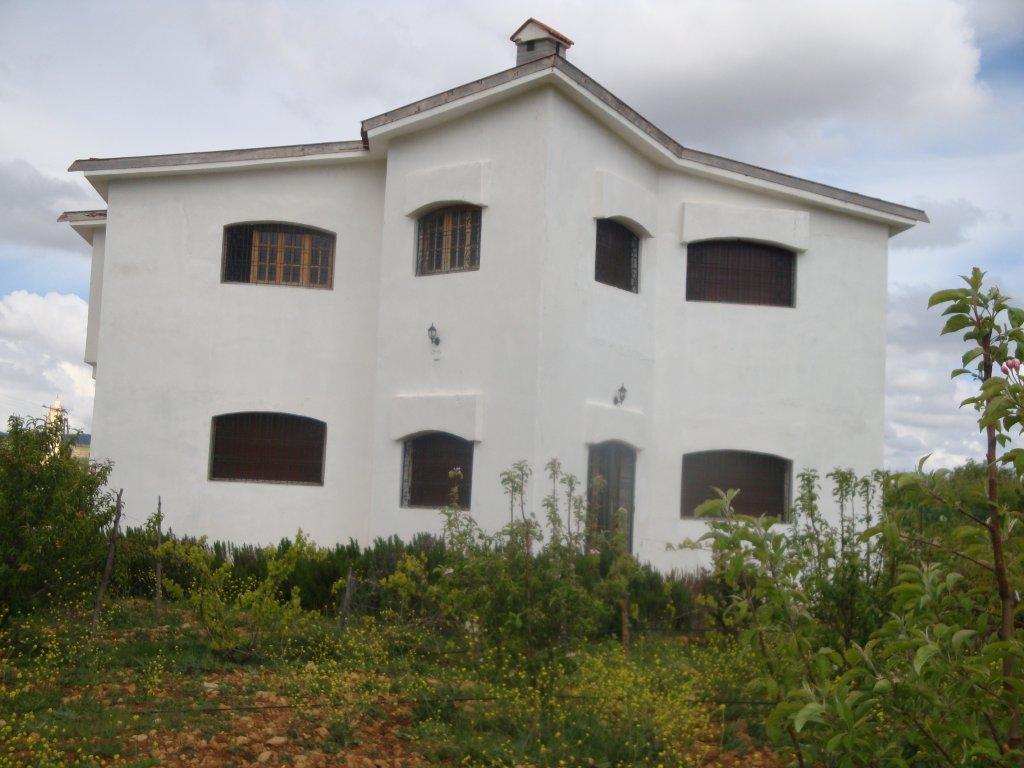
pixel 690 499
pixel 446 233
pixel 270 255
pixel 408 489
pixel 734 271
pixel 225 468
pixel 611 232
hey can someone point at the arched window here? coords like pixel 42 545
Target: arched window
pixel 269 447
pixel 271 253
pixel 426 463
pixel 740 272
pixel 448 240
pixel 615 464
pixel 762 479
pixel 617 256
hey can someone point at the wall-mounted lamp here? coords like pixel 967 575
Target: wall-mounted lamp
pixel 432 335
pixel 620 396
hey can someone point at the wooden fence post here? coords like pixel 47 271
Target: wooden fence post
pixel 109 565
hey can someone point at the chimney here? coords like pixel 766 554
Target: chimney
pixel 535 40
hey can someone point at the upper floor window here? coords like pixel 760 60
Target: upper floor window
pixel 278 254
pixel 427 462
pixel 448 240
pixel 762 480
pixel 740 272
pixel 617 257
pixel 266 446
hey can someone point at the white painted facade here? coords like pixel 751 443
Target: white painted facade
pixel 532 348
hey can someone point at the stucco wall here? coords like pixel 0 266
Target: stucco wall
pixel 532 348
pixel 178 346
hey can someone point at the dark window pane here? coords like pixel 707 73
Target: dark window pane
pixel 427 461
pixel 274 447
pixel 615 464
pixel 740 272
pixel 278 254
pixel 762 479
pixel 448 240
pixel 617 257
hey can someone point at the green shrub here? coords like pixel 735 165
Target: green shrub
pixel 54 510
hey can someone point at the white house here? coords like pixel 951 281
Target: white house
pixel 522 267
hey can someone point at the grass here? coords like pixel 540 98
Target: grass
pixel 148 690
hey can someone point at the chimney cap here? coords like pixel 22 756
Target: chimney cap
pixel 531 29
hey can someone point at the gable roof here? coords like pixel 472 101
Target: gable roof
pixel 581 80
pixel 465 96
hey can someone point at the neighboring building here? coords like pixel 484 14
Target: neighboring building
pixel 522 267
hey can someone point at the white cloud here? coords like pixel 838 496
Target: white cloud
pixel 31 202
pixel 951 221
pixel 922 403
pixel 41 343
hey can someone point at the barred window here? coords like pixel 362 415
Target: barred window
pixel 448 240
pixel 426 463
pixel 617 256
pixel 268 447
pixel 615 464
pixel 740 272
pixel 278 254
pixel 762 479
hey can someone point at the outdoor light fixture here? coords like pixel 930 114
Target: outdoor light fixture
pixel 620 396
pixel 432 335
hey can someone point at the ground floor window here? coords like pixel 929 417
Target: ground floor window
pixel 427 463
pixel 611 474
pixel 269 447
pixel 762 479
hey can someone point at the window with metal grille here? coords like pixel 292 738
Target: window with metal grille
pixel 762 480
pixel 278 254
pixel 617 256
pixel 268 447
pixel 426 463
pixel 615 464
pixel 740 272
pixel 448 240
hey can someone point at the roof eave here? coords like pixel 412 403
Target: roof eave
pixel 85 223
pixel 631 125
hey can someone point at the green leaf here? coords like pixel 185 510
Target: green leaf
pixel 924 653
pixel 950 294
pixel 955 323
pixel 812 711
pixel 958 372
pixel 971 354
pixel 709 508
pixel 921 462
pixel 1016 316
pixel 960 637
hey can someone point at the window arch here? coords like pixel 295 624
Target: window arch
pixel 268 447
pixel 427 460
pixel 762 479
pixel 740 272
pixel 615 463
pixel 275 253
pixel 448 240
pixel 617 256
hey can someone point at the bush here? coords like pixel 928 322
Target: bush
pixel 54 510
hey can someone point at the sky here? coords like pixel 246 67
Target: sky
pixel 915 101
